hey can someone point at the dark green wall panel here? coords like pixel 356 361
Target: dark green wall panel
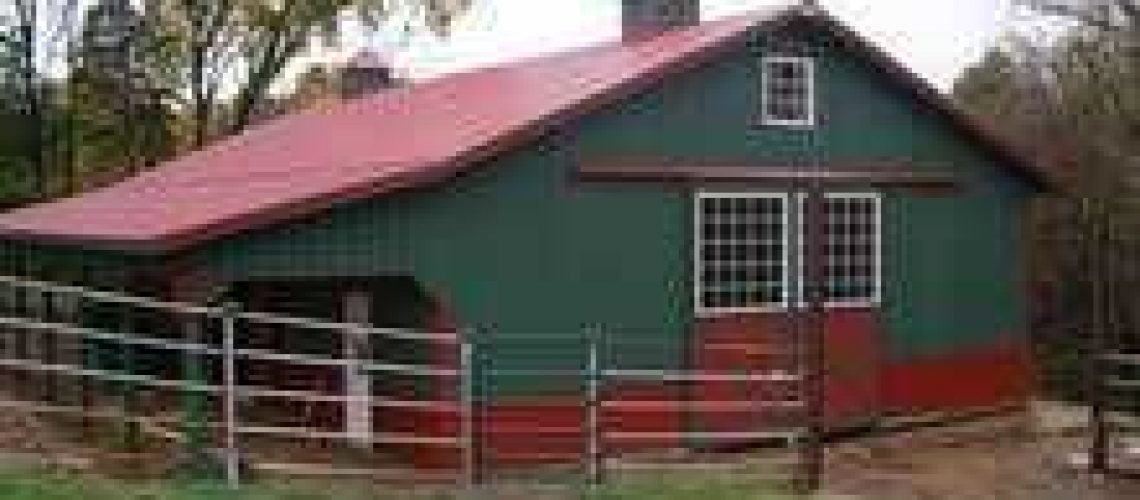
pixel 517 248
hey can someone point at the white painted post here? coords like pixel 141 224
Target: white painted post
pixel 357 380
pixel 467 411
pixel 593 404
pixel 229 332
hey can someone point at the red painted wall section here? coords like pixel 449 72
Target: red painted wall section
pixel 980 377
pixel 741 344
pixel 440 421
pixel 861 385
pixel 854 364
pixel 766 342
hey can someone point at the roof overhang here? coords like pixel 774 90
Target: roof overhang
pixel 700 50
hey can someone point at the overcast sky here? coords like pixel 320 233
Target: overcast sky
pixel 937 38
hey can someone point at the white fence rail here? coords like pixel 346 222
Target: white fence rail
pixel 51 331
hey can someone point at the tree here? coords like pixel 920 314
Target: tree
pixel 1074 98
pixel 240 48
pixel 119 121
pixel 34 35
pixel 206 65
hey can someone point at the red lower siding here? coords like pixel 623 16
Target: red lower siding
pixel 982 377
pixel 760 342
pixel 538 430
pixel 978 378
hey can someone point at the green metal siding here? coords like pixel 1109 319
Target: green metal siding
pixel 511 248
pixel 105 270
pixel 518 249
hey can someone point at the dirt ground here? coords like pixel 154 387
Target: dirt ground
pixel 1020 457
pixel 992 459
pixel 1010 457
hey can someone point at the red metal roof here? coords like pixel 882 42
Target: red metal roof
pixel 400 138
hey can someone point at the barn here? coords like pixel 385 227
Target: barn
pixel 654 188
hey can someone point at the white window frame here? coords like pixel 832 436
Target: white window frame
pixel 801 228
pixel 792 268
pixel 765 76
pixel 698 257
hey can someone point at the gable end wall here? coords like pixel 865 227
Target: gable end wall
pixel 518 248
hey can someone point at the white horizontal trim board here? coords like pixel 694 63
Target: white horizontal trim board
pixel 1122 383
pixel 327 471
pixel 703 436
pixel 702 405
pixel 677 376
pixel 373 438
pixel 1123 358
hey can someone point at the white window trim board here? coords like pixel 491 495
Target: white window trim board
pixel 698 242
pixel 809 72
pixel 789 246
pixel 877 282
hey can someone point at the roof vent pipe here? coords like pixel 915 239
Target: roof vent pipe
pixel 366 73
pixel 649 17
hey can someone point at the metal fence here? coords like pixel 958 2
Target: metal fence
pixel 185 386
pixel 1115 407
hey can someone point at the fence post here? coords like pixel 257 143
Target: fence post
pixel 467 409
pixel 229 332
pixel 193 400
pixel 128 390
pixel 593 403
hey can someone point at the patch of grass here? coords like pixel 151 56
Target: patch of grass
pixel 30 484
pixel 687 486
pixel 47 485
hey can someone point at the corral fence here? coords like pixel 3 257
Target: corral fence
pixel 187 389
pixel 1087 320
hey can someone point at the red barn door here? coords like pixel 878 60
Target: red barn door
pixel 747 251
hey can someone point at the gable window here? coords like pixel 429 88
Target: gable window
pixel 741 252
pixel 852 253
pixel 788 91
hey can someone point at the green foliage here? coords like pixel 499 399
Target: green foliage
pixel 213 49
pixel 120 123
pixel 162 76
pixel 1073 99
pixel 17 169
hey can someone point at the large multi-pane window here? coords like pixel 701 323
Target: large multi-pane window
pixel 742 251
pixel 744 259
pixel 851 248
pixel 788 91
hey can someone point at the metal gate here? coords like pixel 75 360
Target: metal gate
pixel 166 383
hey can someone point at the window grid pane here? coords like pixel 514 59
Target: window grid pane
pixel 742 250
pixel 851 249
pixel 787 90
